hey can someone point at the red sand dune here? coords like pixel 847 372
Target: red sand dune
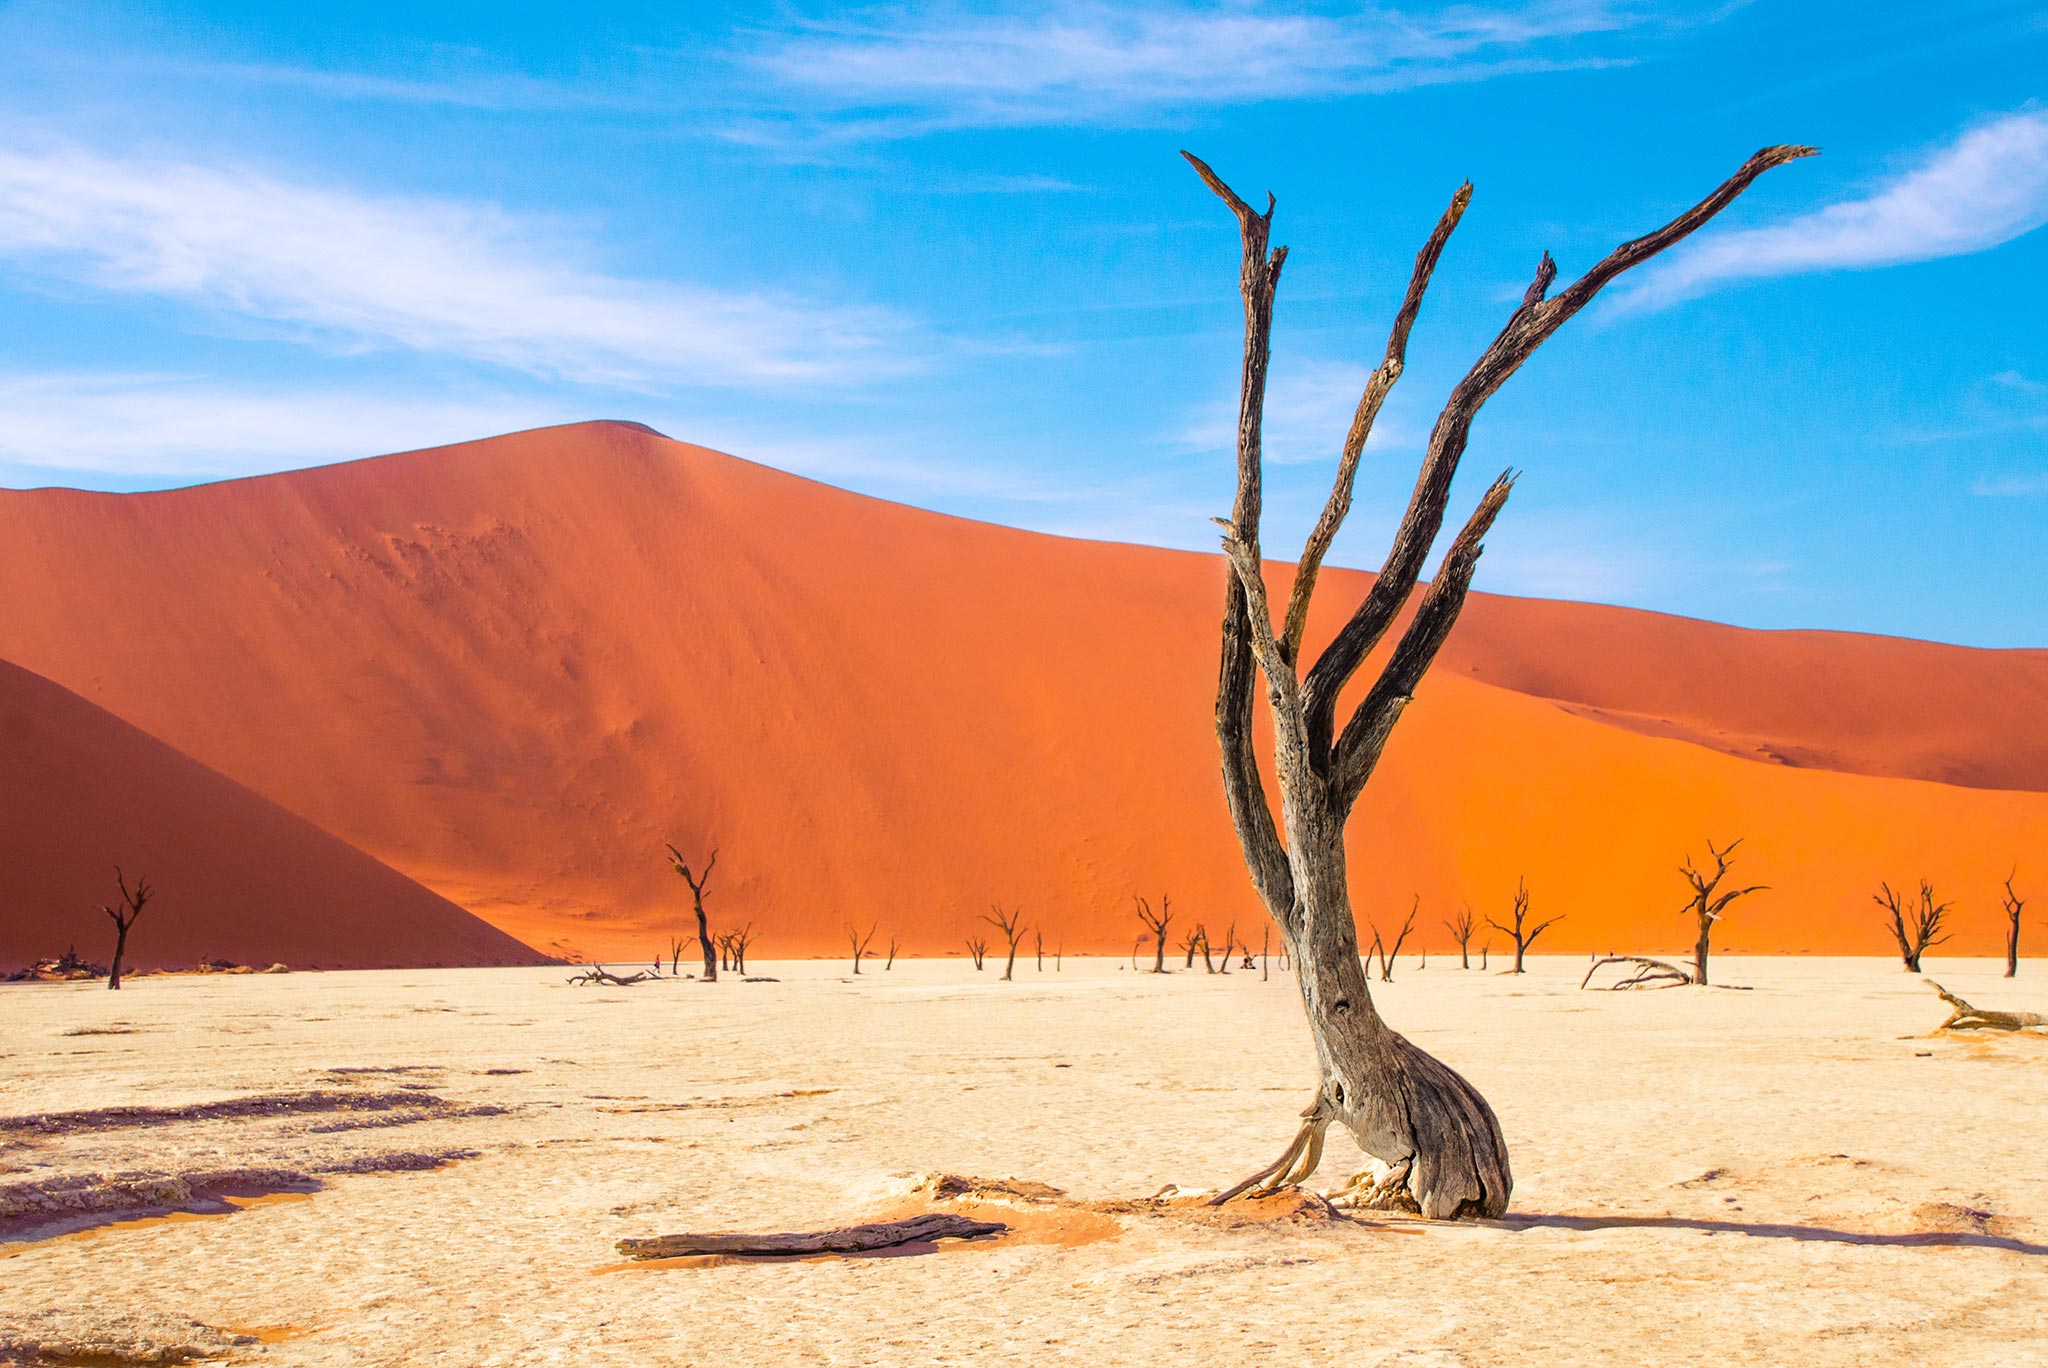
pixel 236 876
pixel 513 668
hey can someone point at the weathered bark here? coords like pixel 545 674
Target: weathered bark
pixel 698 883
pixel 1964 1017
pixel 2014 904
pixel 124 917
pixel 1912 925
pixel 1705 906
pixel 858 1239
pixel 1439 1141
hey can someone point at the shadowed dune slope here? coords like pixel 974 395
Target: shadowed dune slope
pixel 513 668
pixel 236 876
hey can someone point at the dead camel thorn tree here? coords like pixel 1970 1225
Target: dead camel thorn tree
pixel 124 917
pixel 1387 957
pixel 895 944
pixel 977 947
pixel 675 955
pixel 1524 935
pixel 1913 925
pixel 2014 905
pixel 859 940
pixel 1011 925
pixel 698 883
pixel 739 941
pixel 1438 1139
pixel 1156 923
pixel 1462 929
pixel 1708 904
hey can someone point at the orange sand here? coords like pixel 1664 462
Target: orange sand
pixel 513 668
pixel 237 877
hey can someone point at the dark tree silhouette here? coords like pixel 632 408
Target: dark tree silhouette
pixel 1709 901
pixel 1462 929
pixel 124 917
pixel 698 883
pixel 1387 957
pixel 1523 934
pixel 1156 923
pixel 1440 1141
pixel 1913 925
pixel 1011 925
pixel 739 941
pixel 859 940
pixel 2014 905
pixel 977 947
pixel 895 944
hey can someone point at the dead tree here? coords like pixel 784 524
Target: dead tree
pixel 1038 948
pixel 740 940
pixel 1229 946
pixel 1462 929
pixel 675 955
pixel 1156 922
pixel 124 917
pixel 859 940
pixel 698 883
pixel 1190 943
pixel 1438 1137
pixel 1913 925
pixel 2014 905
pixel 1265 951
pixel 895 944
pixel 977 947
pixel 1482 955
pixel 1524 935
pixel 1708 903
pixel 1387 957
pixel 1011 925
pixel 1647 973
pixel 597 973
pixel 1963 1017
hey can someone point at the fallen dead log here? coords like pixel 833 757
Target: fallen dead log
pixel 1650 973
pixel 860 1239
pixel 1964 1017
pixel 599 974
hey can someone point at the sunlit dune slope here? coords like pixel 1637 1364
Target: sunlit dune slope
pixel 514 668
pixel 236 876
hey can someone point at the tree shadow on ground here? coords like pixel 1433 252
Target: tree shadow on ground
pixel 1768 1230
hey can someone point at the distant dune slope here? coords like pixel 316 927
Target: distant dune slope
pixel 513 668
pixel 236 876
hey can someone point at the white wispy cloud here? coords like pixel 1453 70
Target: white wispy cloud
pixel 458 278
pixel 1309 404
pixel 1081 62
pixel 182 427
pixel 1987 187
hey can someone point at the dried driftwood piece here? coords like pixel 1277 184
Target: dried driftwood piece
pixel 1649 973
pixel 860 1239
pixel 597 973
pixel 1964 1017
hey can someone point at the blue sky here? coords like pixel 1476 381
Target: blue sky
pixel 947 254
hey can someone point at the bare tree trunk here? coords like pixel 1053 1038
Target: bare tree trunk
pixel 120 948
pixel 2014 904
pixel 1440 1142
pixel 698 883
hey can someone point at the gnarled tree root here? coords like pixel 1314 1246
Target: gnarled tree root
pixel 1964 1017
pixel 1300 1159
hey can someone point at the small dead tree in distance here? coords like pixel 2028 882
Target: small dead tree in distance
pixel 740 940
pixel 1524 936
pixel 1387 957
pixel 1913 926
pixel 1437 1135
pixel 698 883
pixel 895 944
pixel 1156 923
pixel 1462 929
pixel 2014 905
pixel 124 917
pixel 977 948
pixel 1706 905
pixel 859 940
pixel 1011 925
pixel 675 955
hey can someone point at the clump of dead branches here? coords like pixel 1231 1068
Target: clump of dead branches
pixel 1647 973
pixel 1914 925
pixel 1964 1017
pixel 597 973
